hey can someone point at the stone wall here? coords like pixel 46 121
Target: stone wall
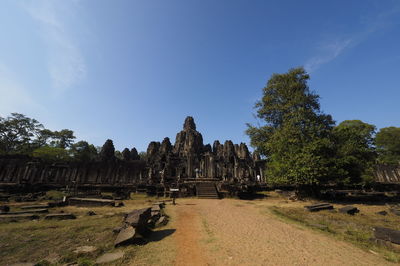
pixel 188 158
pixel 27 171
pixel 387 174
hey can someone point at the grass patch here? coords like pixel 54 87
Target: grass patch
pixel 37 241
pixel 210 234
pixel 54 195
pixel 355 229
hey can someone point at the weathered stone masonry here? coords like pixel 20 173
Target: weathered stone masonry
pixel 188 159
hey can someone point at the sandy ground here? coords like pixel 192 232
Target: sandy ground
pixel 233 232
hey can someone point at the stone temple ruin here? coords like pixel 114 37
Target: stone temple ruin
pixel 188 164
pixel 190 159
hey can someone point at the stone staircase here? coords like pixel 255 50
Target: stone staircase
pixel 206 190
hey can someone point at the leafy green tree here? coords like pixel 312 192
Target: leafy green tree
pixel 83 151
pixel 44 137
pixel 296 138
pixel 107 151
pixel 388 145
pixel 18 133
pixel 63 139
pixel 356 154
pixel 48 153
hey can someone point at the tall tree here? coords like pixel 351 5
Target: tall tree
pixel 296 137
pixel 44 137
pixel 18 133
pixel 356 154
pixel 63 138
pixel 388 145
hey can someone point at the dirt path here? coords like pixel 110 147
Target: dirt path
pixel 188 235
pixel 228 232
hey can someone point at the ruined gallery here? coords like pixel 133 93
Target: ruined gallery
pixel 183 164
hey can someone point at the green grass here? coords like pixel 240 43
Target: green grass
pixel 355 229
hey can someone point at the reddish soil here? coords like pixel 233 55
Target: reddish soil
pixel 233 232
pixel 187 236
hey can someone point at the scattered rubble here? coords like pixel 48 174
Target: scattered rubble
pixel 319 207
pixel 92 202
pixel 387 234
pixel 136 224
pixel 90 213
pixel 382 213
pixel 60 216
pixel 349 210
pixel 110 257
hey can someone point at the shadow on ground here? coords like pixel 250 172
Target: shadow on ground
pixel 251 196
pixel 160 235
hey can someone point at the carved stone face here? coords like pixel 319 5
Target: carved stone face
pixel 189 123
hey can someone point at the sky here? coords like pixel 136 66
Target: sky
pixel 132 70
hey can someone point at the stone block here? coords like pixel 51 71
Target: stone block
pixel 128 235
pixel 387 234
pixel 138 217
pixel 319 207
pixel 349 210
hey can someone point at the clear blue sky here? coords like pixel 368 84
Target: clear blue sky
pixel 133 70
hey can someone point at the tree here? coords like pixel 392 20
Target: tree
pixel 44 137
pixel 107 151
pixel 63 139
pixel 388 145
pixel 17 133
pixel 296 138
pixel 48 153
pixel 83 151
pixel 126 154
pixel 355 151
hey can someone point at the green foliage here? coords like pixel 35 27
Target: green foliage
pixel 83 151
pixel 388 145
pixel 48 153
pixel 356 154
pixel 17 134
pixel 296 138
pixel 63 139
pixel 20 134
